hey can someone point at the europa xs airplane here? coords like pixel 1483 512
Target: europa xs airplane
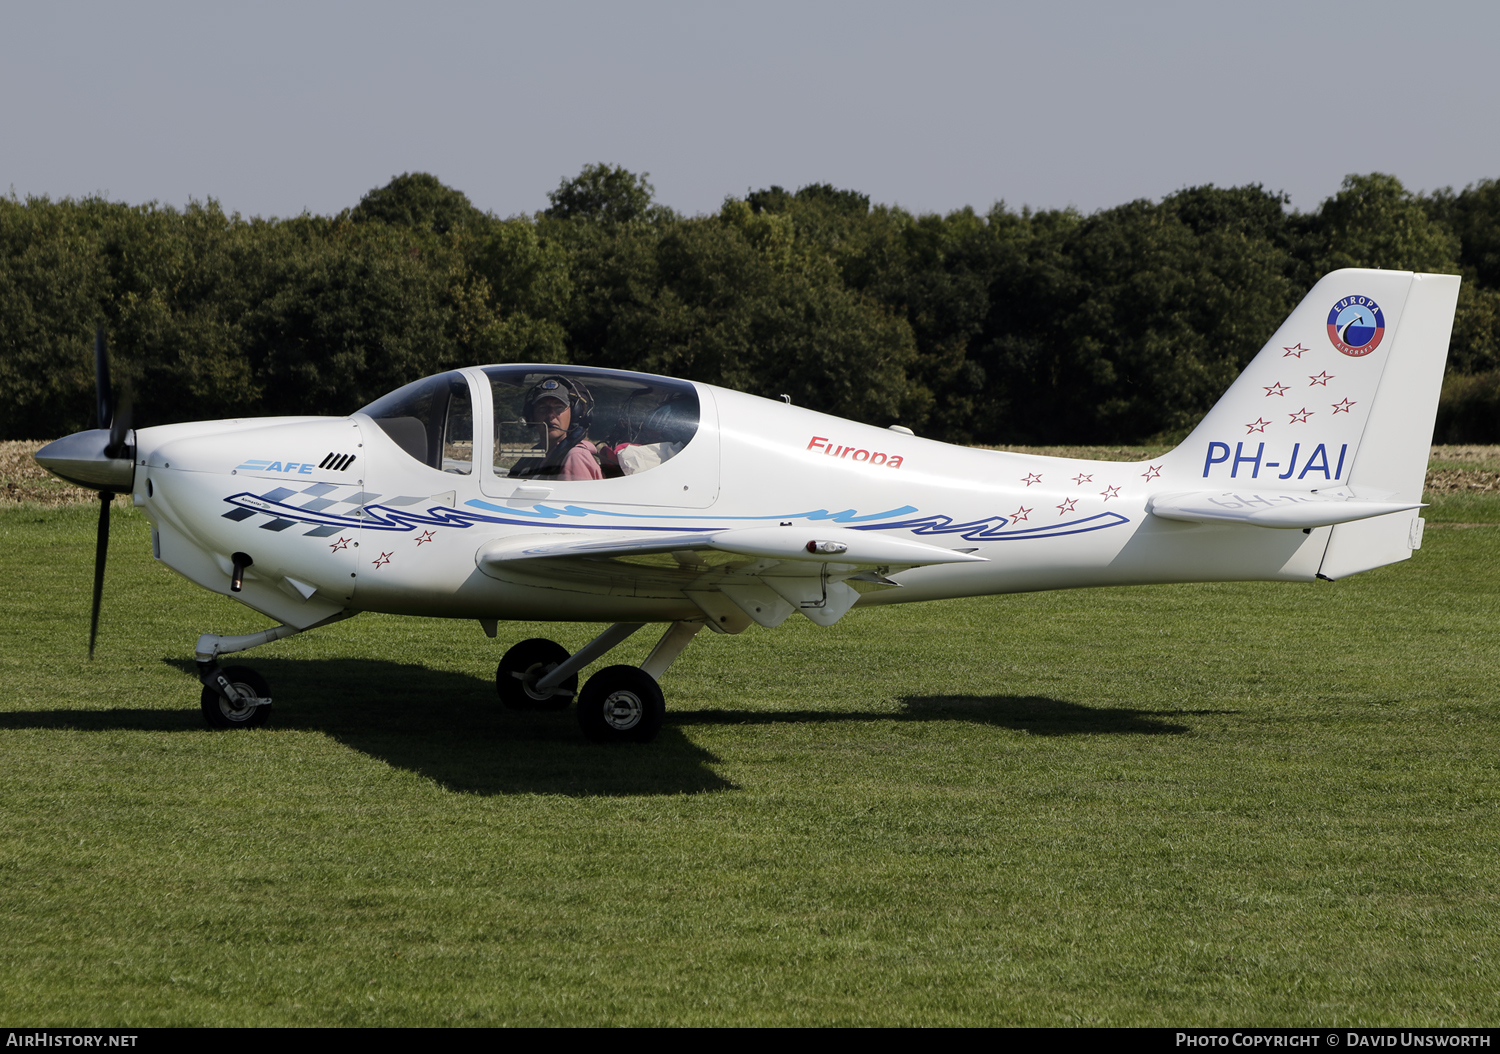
pixel 562 493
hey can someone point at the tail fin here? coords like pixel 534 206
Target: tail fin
pixel 1343 396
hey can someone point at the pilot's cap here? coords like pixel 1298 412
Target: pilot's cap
pixel 570 393
pixel 551 388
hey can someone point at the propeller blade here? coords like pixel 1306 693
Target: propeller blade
pixel 119 428
pixel 101 549
pixel 105 404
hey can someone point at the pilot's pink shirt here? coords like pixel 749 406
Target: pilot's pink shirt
pixel 580 463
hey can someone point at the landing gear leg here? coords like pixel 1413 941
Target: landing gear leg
pixel 237 696
pixel 571 664
pixel 678 636
pixel 619 704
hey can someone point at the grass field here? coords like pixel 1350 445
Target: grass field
pixel 1219 804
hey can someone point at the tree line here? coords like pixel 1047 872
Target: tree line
pixel 1003 326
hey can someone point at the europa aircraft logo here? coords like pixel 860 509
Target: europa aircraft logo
pixel 1355 325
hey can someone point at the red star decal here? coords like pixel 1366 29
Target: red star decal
pixel 342 543
pixel 384 559
pixel 1110 492
pixel 1031 477
pixel 1020 514
pixel 1296 349
pixel 1342 407
pixel 1066 507
pixel 1301 416
pixel 1322 378
pixel 1258 425
pixel 1276 389
pixel 1152 471
pixel 1081 479
pixel 425 536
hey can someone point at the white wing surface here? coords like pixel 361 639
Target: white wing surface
pixel 735 576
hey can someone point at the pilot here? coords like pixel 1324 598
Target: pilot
pixel 565 408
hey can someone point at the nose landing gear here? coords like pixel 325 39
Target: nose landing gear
pixel 246 704
pixel 237 696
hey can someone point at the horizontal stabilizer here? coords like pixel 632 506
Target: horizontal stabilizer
pixel 817 544
pixel 1284 511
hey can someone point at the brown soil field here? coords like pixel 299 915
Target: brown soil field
pixel 23 481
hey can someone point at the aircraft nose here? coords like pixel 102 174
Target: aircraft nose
pixel 83 458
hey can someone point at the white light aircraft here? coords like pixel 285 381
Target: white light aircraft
pixel 563 493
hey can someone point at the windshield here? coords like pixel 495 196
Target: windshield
pixel 573 423
pixel 432 420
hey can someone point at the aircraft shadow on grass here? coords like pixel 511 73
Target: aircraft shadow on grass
pixel 450 728
pixel 1037 715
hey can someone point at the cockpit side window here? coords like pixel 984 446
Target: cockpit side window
pixel 432 420
pixel 570 423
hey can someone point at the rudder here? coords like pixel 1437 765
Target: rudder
pixel 1342 399
pixel 1397 438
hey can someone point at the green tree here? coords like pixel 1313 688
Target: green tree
pixel 419 201
pixel 1473 215
pixel 708 300
pixel 931 271
pixel 168 286
pixel 1132 322
pixel 529 283
pixel 344 312
pixel 53 285
pixel 606 194
pixel 1373 221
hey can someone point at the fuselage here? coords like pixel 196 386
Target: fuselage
pixel 336 515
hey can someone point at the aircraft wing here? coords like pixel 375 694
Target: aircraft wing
pixel 1283 511
pixel 735 576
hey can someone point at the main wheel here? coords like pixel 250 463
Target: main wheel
pixel 621 704
pixel 524 665
pixel 221 713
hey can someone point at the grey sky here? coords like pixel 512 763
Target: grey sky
pixel 276 107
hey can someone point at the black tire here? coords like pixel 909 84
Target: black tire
pixel 621 704
pixel 218 711
pixel 523 665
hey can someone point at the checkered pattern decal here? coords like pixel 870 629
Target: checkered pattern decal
pixel 328 507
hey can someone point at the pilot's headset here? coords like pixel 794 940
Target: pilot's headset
pixel 571 392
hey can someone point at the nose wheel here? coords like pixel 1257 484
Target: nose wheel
pixel 621 704
pixel 249 707
pixel 524 665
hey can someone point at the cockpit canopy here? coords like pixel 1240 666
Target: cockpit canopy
pixel 432 420
pixel 627 423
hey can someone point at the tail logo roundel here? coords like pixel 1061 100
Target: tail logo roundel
pixel 1355 325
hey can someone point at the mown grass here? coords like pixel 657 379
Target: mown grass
pixel 1220 804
